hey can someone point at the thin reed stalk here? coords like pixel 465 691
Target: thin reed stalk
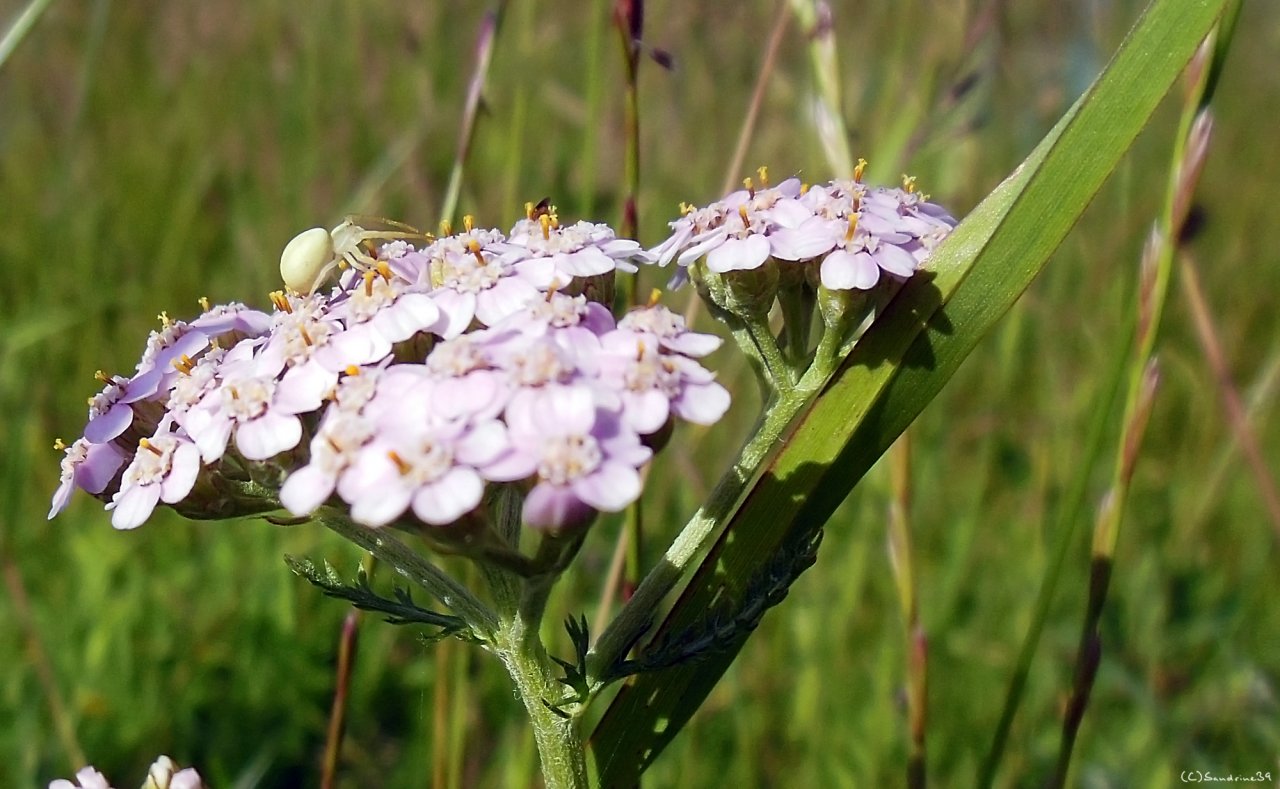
pixel 1155 272
pixel 915 643
pixel 488 32
pixel 1233 406
pixel 348 640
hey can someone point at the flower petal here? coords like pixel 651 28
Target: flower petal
pixel 133 505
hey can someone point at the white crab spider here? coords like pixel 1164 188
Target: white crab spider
pixel 312 255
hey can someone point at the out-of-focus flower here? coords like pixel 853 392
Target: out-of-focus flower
pixel 164 774
pixel 86 778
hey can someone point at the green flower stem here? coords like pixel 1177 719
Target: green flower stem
pixel 797 317
pixel 637 615
pixel 757 329
pixel 384 545
pixel 521 602
pixel 564 762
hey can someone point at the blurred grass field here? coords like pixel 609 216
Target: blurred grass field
pixel 154 153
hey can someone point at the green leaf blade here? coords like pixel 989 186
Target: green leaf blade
pixel 905 359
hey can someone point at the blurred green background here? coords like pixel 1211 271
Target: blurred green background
pixel 153 153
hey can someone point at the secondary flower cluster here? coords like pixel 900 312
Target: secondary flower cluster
pixel 164 774
pixel 424 376
pixel 851 230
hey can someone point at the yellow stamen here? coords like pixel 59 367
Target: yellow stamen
pixel 908 183
pixel 352 370
pixel 203 301
pixel 446 227
pixel 545 221
pixel 58 445
pixel 403 467
pixel 184 364
pixel 859 169
pixel 280 301
pixel 102 377
pixel 804 188
pixel 686 208
pixel 306 338
pixel 164 319
pixel 147 445
pixel 853 226
pixel 640 351
pixel 749 185
pixel 763 172
pixel 528 210
pixel 384 270
pixel 369 277
pixel 469 222
pixel 742 212
pixel 654 296
pixel 473 247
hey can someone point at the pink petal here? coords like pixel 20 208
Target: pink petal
pixel 895 260
pixel 268 435
pixel 483 444
pixel 611 487
pixel 61 498
pixel 361 344
pixel 304 388
pixel 450 497
pixel 713 240
pixel 552 507
pixel 306 489
pixel 210 430
pixel 646 411
pixel 844 270
pixel 107 426
pixel 516 464
pixel 586 262
pixel 702 405
pixel 380 507
pixel 412 313
pixel 507 297
pixel 183 470
pixel 456 312
pixel 133 505
pixel 99 467
pixel 739 254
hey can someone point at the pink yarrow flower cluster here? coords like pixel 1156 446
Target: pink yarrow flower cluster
pixel 855 233
pixel 426 375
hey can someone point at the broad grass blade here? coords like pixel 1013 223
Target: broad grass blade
pixel 902 363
